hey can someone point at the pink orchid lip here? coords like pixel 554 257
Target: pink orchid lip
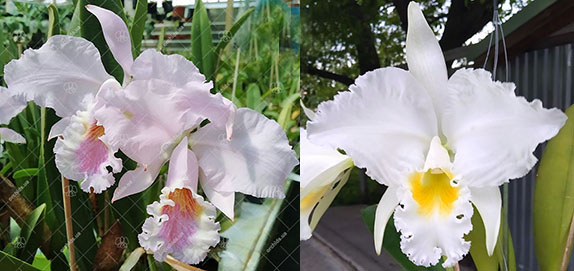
pixel 92 151
pixel 183 219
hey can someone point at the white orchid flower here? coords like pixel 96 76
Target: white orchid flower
pixel 440 145
pixel 323 172
pixel 10 106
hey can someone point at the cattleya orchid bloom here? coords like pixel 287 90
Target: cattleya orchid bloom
pixel 9 108
pixel 440 145
pixel 66 74
pixel 159 115
pixel 322 177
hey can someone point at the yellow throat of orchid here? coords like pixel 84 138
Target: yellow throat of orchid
pixel 433 192
pixel 434 188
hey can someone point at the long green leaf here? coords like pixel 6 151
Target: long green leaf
pixel 392 241
pixel 286 109
pixel 483 262
pixel 91 30
pixel 31 234
pixel 9 262
pixel 228 36
pixel 554 197
pixel 202 50
pixel 138 27
pixel 25 173
pixel 53 26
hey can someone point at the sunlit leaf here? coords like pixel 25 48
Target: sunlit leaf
pixel 9 262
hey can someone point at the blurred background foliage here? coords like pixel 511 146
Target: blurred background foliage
pixel 255 64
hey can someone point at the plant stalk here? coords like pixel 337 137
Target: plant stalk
pixel 68 219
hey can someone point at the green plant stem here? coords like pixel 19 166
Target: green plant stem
pixel 235 73
pixel 68 219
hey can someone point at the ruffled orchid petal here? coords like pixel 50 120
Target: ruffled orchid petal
pixel 320 165
pixel 424 56
pixel 59 127
pixel 223 201
pixel 175 69
pixel 9 135
pixel 64 74
pixel 203 105
pixel 149 117
pixel 385 209
pixel 488 203
pixel 392 117
pixel 117 37
pixel 10 106
pixel 256 161
pixel 137 180
pixel 425 238
pixel 82 156
pixel 183 168
pixel 182 225
pixel 486 123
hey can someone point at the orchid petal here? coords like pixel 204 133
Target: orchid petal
pixel 10 106
pixel 9 135
pixel 116 35
pixel 385 209
pixel 175 69
pixel 59 127
pixel 224 201
pixel 137 180
pixel 64 74
pixel 425 239
pixel 149 117
pixel 424 55
pixel 486 123
pixel 386 112
pixel 256 161
pixel 82 156
pixel 328 198
pixel 183 168
pixel 319 162
pixel 182 225
pixel 488 203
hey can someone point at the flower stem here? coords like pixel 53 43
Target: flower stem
pixel 68 219
pixel 568 247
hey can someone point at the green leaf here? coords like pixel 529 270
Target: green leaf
pixel 25 173
pixel 31 234
pixel 483 262
pixel 84 227
pixel 228 36
pixel 202 51
pixel 91 30
pixel 554 197
pixel 286 109
pixel 9 262
pixel 74 28
pixel 138 27
pixel 254 97
pixel 53 26
pixel 392 240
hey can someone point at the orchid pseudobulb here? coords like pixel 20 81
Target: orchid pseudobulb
pixel 440 145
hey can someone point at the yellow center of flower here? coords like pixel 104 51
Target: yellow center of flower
pixel 433 191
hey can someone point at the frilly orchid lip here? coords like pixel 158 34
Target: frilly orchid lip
pixel 439 144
